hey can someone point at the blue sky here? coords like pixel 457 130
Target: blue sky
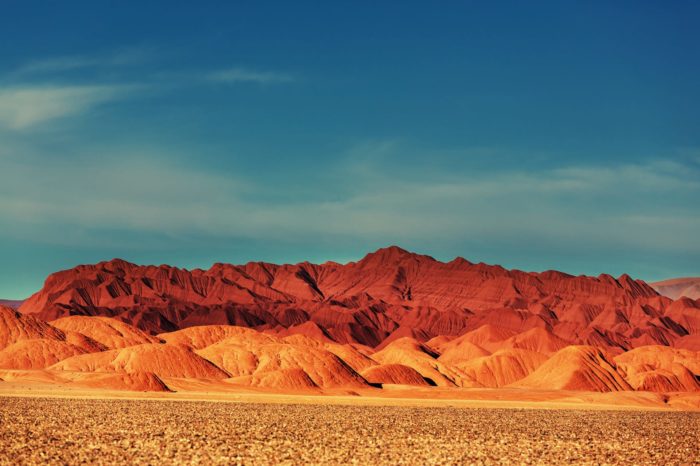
pixel 556 135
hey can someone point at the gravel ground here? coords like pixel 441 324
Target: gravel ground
pixel 74 431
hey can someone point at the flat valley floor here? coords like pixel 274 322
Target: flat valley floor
pixel 38 430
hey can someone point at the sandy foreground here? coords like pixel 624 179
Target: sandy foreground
pixel 44 423
pixel 62 430
pixel 39 383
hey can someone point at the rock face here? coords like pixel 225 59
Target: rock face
pixel 388 295
pixel 392 318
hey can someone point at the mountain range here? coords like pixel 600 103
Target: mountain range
pixel 391 318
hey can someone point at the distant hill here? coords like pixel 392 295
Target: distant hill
pixel 13 303
pixel 677 287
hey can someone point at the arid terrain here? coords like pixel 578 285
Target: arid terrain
pixel 393 325
pixel 71 431
pixel 397 358
pixel 401 233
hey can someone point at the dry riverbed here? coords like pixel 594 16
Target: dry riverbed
pixel 73 431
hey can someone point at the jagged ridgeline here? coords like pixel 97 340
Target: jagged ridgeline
pixel 391 319
pixel 389 294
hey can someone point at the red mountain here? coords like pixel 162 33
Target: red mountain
pixel 389 294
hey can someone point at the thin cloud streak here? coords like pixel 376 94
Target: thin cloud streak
pixel 52 65
pixel 237 75
pixel 25 103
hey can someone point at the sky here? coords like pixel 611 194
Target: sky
pixel 537 135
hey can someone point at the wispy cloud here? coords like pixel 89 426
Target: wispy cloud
pixel 26 102
pixel 119 58
pixel 41 90
pixel 28 106
pixel 237 75
pixel 640 206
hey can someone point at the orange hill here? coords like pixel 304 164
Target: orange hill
pixel 242 357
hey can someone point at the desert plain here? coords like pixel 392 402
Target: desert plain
pixel 89 430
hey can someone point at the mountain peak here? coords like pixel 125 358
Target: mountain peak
pixel 117 263
pixel 391 254
pixel 392 251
